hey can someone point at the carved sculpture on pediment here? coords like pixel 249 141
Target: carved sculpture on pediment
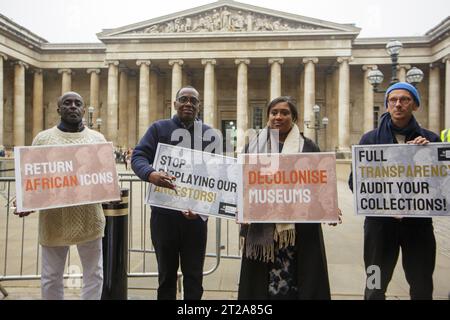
pixel 209 25
pixel 188 25
pixel 217 22
pixel 278 26
pixel 238 22
pixel 249 20
pixel 259 24
pixel 152 29
pixel 225 16
pixel 225 20
pixel 170 27
pixel 178 25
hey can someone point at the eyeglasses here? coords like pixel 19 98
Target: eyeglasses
pixel 185 99
pixel 404 101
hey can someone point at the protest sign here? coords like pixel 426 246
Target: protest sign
pixel 401 180
pixel 206 183
pixel 285 188
pixel 65 175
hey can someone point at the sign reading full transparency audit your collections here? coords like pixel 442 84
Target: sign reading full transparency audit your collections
pixel 402 180
pixel 65 175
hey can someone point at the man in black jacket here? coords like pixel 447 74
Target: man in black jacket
pixel 384 236
pixel 178 237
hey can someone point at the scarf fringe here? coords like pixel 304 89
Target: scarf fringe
pixel 259 252
pixel 285 238
pixel 241 242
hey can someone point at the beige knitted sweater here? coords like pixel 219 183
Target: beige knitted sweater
pixel 70 225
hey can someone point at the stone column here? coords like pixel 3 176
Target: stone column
pixel 368 98
pixel 153 99
pixel 300 97
pixel 402 69
pixel 19 103
pixel 309 93
pixel 209 112
pixel 113 102
pixel 123 108
pixel 242 102
pixel 144 79
pixel 66 80
pixel 94 93
pixel 434 100
pixel 2 58
pixel 38 102
pixel 344 105
pixel 132 108
pixel 187 77
pixel 177 79
pixel 446 60
pixel 275 77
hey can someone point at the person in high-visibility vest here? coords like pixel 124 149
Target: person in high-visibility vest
pixel 445 135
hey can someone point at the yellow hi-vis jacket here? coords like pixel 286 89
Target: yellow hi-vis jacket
pixel 445 135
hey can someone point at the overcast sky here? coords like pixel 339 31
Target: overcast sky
pixel 79 20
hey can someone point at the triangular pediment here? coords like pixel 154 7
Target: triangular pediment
pixel 226 17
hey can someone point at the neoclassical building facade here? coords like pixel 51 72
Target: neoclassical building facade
pixel 237 55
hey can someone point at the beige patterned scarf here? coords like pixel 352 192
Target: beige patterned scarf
pixel 261 237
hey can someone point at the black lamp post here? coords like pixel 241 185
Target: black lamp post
pixel 90 117
pixel 99 123
pixel 90 121
pixel 375 77
pixel 318 123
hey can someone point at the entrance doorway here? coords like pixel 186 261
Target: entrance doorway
pixel 228 129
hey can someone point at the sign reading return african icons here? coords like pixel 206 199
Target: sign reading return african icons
pixel 287 188
pixel 206 183
pixel 402 180
pixel 65 175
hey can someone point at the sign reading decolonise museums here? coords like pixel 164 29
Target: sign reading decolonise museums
pixel 288 188
pixel 402 180
pixel 206 183
pixel 65 175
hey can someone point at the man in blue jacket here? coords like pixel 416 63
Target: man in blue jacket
pixel 384 236
pixel 178 237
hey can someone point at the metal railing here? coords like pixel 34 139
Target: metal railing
pixel 20 250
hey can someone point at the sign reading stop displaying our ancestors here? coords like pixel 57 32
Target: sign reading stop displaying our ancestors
pixel 285 188
pixel 65 175
pixel 206 183
pixel 403 180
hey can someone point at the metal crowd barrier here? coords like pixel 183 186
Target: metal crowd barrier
pixel 20 250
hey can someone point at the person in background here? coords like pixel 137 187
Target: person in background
pixel 445 135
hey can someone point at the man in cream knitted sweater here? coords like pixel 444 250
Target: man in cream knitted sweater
pixel 83 226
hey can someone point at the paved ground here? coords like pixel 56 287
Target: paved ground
pixel 344 245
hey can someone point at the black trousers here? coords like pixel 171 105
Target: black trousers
pixel 383 238
pixel 179 241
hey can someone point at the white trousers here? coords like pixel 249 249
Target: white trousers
pixel 53 261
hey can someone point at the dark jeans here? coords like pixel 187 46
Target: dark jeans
pixel 383 238
pixel 179 240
